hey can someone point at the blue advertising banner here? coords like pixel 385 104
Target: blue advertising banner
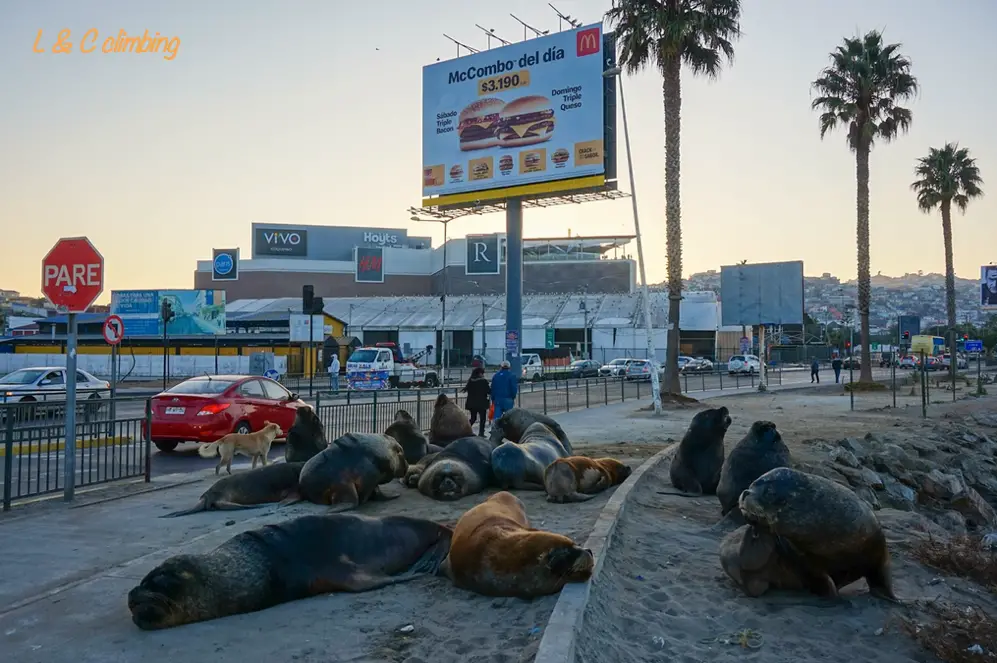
pixel 197 312
pixel 367 380
pixel 521 114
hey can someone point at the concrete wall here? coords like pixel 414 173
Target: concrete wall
pixel 145 366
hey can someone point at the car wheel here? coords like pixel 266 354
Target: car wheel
pixel 243 428
pixel 166 446
pixel 431 381
pixel 92 407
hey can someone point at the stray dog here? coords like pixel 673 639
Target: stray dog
pixel 255 445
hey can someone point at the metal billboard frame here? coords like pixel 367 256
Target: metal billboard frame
pixel 769 304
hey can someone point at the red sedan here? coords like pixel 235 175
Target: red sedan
pixel 204 409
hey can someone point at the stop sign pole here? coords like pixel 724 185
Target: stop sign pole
pixel 72 279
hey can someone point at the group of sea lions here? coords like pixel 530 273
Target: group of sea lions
pixel 796 531
pixel 492 549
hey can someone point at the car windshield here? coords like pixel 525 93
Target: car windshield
pixel 25 376
pixel 201 386
pixel 363 356
pixel 579 362
pixel 618 362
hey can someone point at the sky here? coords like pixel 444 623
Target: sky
pixel 309 112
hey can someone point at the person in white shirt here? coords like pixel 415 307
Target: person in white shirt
pixel 334 373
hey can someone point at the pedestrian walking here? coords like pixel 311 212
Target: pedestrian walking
pixel 477 389
pixel 504 388
pixel 836 365
pixel 815 372
pixel 334 373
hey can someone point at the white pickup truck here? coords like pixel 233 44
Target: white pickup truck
pixel 382 367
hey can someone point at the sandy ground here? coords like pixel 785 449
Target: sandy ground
pixel 664 597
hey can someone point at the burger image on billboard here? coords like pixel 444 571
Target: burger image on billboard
pixel 505 163
pixel 532 160
pixel 456 171
pixel 480 170
pixel 525 121
pixel 476 126
pixel 560 156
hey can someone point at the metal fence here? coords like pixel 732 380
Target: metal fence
pixel 111 444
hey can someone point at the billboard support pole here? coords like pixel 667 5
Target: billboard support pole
pixel 514 281
pixel 311 351
pixel 112 417
pixel 69 478
pixel 762 364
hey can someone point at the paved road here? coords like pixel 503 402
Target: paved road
pixel 42 468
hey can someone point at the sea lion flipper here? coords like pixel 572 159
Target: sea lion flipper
pixel 378 496
pixel 880 584
pixel 577 497
pixel 530 485
pixel 232 506
pixel 197 508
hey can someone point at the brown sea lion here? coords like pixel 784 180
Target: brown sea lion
pixel 513 424
pixel 449 422
pixel 495 552
pixel 752 557
pixel 463 468
pixel 249 490
pixel 288 561
pixel 831 535
pixel 696 465
pixel 761 450
pixel 521 465
pixel 405 430
pixel 306 438
pixel 579 478
pixel 348 473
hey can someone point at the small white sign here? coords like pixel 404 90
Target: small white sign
pixel 300 329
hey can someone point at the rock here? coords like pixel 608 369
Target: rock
pixel 979 514
pixel 860 477
pixel 941 486
pixel 953 522
pixel 906 525
pixel 844 457
pixel 825 470
pixel 896 495
pixel 885 463
pixel 923 447
pixel 853 445
pixel 869 495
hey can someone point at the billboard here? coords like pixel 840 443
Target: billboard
pixel 762 294
pixel 988 287
pixel 327 242
pixel 483 254
pixel 369 264
pixel 281 241
pixel 910 324
pixel 198 312
pixel 225 264
pixel 300 328
pixel 521 114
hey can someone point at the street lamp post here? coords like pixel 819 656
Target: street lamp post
pixel 645 295
pixel 444 358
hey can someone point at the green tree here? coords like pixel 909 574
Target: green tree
pixel 665 34
pixel 861 90
pixel 947 176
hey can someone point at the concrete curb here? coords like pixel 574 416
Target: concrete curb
pixel 558 642
pixel 35 447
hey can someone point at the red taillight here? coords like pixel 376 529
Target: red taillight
pixel 213 408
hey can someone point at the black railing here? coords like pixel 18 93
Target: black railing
pixel 111 443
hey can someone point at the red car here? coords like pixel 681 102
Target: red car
pixel 204 409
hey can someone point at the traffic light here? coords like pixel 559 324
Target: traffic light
pixel 906 335
pixel 167 311
pixel 848 344
pixel 965 337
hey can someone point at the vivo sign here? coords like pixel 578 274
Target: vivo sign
pixel 380 238
pixel 274 242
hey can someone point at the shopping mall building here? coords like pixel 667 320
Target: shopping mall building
pixel 351 261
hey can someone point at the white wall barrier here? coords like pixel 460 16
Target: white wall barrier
pixel 139 366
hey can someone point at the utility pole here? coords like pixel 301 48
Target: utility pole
pixel 167 314
pixel 484 339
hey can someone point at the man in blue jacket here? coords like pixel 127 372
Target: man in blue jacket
pixel 504 387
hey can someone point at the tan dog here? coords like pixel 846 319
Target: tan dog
pixel 495 552
pixel 577 478
pixel 255 445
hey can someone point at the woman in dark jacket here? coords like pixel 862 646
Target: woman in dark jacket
pixel 478 389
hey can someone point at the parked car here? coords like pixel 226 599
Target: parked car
pixel 533 366
pixel 695 364
pixel 960 361
pixel 910 361
pixel 616 368
pixel 204 409
pixel 43 390
pixel 743 364
pixel 932 364
pixel 639 369
pixel 851 363
pixel 584 368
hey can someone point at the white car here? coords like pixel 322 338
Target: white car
pixel 616 368
pixel 45 388
pixel 743 364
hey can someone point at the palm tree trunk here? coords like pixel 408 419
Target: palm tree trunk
pixel 949 283
pixel 672 92
pixel 862 238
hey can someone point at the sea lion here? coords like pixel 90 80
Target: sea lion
pixel 831 535
pixel 407 433
pixel 495 552
pixel 755 561
pixel 761 450
pixel 249 490
pixel 578 478
pixel 513 423
pixel 696 465
pixel 449 422
pixel 521 465
pixel 288 561
pixel 306 438
pixel 464 467
pixel 348 473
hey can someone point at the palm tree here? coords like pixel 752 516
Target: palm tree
pixel 665 34
pixel 861 90
pixel 946 176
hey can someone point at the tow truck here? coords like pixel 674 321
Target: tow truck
pixel 382 366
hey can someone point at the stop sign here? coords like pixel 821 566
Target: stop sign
pixel 73 274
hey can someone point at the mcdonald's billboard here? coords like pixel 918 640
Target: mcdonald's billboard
pixel 521 114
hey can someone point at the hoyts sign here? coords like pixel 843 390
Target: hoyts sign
pixel 280 242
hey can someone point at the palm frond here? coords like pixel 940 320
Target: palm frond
pixel 946 174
